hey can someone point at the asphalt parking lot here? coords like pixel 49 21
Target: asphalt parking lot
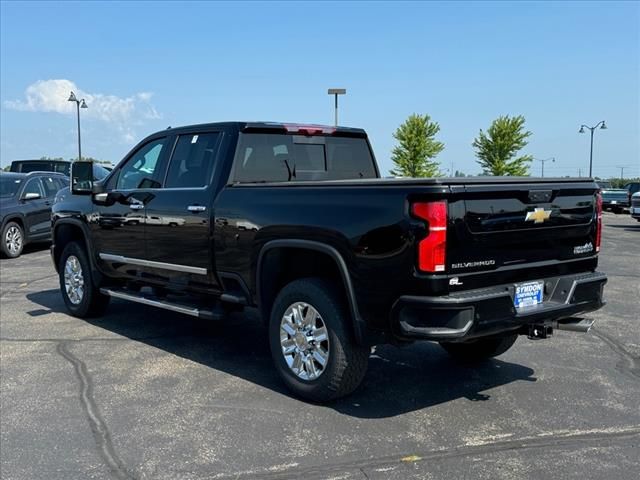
pixel 144 393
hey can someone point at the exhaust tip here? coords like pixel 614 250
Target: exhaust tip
pixel 582 325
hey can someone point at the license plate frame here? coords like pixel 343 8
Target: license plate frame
pixel 528 294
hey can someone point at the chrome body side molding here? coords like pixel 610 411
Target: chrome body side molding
pixel 148 263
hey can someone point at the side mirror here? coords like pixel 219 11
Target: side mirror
pixel 82 178
pixel 31 196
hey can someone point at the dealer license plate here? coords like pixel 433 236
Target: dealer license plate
pixel 528 294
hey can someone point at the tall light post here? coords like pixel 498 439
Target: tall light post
pixel 79 104
pixel 335 92
pixel 602 126
pixel 542 160
pixel 622 167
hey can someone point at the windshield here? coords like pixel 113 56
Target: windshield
pixel 9 186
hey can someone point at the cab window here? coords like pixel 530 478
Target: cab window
pixel 140 171
pixel 192 161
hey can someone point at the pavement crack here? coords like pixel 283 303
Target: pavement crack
pixel 96 422
pixel 630 363
pixel 565 439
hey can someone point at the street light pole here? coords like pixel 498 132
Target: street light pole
pixel 79 142
pixel 542 160
pixel 621 171
pixel 79 104
pixel 602 126
pixel 335 92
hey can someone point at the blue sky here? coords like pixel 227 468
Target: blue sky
pixel 144 66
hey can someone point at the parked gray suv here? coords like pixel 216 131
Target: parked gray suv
pixel 25 208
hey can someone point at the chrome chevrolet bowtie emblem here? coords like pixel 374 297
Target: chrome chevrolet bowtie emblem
pixel 539 215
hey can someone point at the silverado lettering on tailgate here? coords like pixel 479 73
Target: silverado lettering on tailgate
pixel 479 263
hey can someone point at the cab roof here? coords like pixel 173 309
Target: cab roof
pixel 275 127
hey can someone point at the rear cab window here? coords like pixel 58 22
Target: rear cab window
pixel 193 160
pixel 282 157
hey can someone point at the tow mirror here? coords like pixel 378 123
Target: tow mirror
pixel 82 178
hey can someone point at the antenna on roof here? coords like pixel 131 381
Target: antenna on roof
pixel 169 127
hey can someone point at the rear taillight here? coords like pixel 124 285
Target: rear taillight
pixel 432 249
pixel 598 220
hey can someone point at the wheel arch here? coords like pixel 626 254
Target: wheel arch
pixel 274 269
pixel 69 230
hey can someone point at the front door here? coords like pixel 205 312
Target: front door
pixel 119 219
pixel 179 216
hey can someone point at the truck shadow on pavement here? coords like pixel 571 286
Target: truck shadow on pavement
pixel 399 380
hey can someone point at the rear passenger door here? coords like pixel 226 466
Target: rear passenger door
pixel 37 209
pixel 179 217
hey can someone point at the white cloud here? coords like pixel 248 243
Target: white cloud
pixel 122 113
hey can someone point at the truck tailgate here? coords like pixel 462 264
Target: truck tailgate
pixel 510 225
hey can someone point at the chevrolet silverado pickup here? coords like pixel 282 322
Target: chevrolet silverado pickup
pixel 295 222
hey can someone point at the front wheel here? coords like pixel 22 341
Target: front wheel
pixel 12 240
pixel 81 296
pixel 480 349
pixel 311 343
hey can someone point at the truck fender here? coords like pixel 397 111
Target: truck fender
pixel 357 321
pixel 56 251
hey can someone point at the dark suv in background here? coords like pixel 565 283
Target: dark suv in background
pixel 25 208
pixel 27 166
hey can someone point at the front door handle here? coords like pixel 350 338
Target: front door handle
pixel 136 206
pixel 196 208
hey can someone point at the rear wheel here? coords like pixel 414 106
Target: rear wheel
pixel 311 344
pixel 81 296
pixel 12 240
pixel 480 349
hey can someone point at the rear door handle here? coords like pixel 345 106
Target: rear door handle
pixel 196 208
pixel 136 206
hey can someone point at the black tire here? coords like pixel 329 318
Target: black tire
pixel 480 349
pixel 347 362
pixel 12 228
pixel 92 302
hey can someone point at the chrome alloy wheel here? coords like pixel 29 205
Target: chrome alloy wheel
pixel 304 341
pixel 73 279
pixel 13 240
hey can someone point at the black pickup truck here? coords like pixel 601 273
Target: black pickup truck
pixel 295 221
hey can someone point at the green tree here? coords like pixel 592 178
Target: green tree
pixel 417 146
pixel 497 149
